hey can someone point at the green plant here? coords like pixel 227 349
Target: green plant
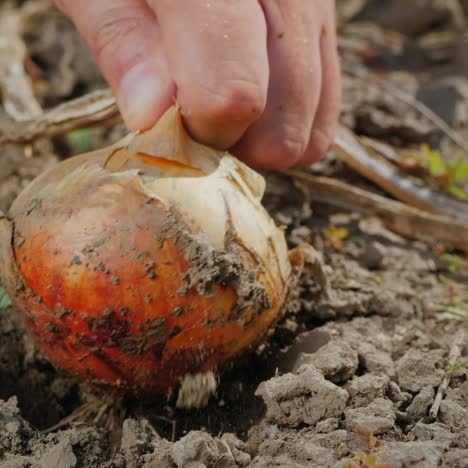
pixel 450 175
pixel 334 236
pixel 454 262
pixel 367 458
pixel 456 366
pixel 80 140
pixel 460 311
pixel 4 299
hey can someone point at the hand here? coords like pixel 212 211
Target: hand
pixel 258 77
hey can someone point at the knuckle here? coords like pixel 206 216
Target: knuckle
pixel 287 149
pixel 110 33
pixel 241 101
pixel 319 144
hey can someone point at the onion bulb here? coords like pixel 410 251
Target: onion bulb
pixel 139 264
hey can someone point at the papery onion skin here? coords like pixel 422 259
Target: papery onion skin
pixel 123 288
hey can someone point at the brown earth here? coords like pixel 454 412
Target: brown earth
pixel 361 349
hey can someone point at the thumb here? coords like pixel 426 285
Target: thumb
pixel 125 39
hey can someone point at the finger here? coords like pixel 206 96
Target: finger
pixel 125 38
pixel 218 58
pixel 326 119
pixel 280 137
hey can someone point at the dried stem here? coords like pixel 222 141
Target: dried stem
pixel 94 109
pixel 408 221
pixel 16 87
pixel 454 355
pixel 403 187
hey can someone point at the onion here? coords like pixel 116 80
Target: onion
pixel 142 263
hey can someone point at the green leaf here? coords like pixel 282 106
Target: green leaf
pixel 456 366
pixel 456 191
pixel 4 299
pixel 459 170
pixel 457 300
pixel 80 140
pixel 378 280
pixel 459 311
pixel 454 262
pixel 436 165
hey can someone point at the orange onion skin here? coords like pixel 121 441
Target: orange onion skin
pixel 102 285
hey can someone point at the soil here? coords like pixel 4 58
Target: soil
pixel 347 377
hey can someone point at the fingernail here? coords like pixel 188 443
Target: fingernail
pixel 140 96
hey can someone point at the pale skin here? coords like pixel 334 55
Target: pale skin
pixel 258 77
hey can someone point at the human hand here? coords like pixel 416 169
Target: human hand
pixel 259 77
